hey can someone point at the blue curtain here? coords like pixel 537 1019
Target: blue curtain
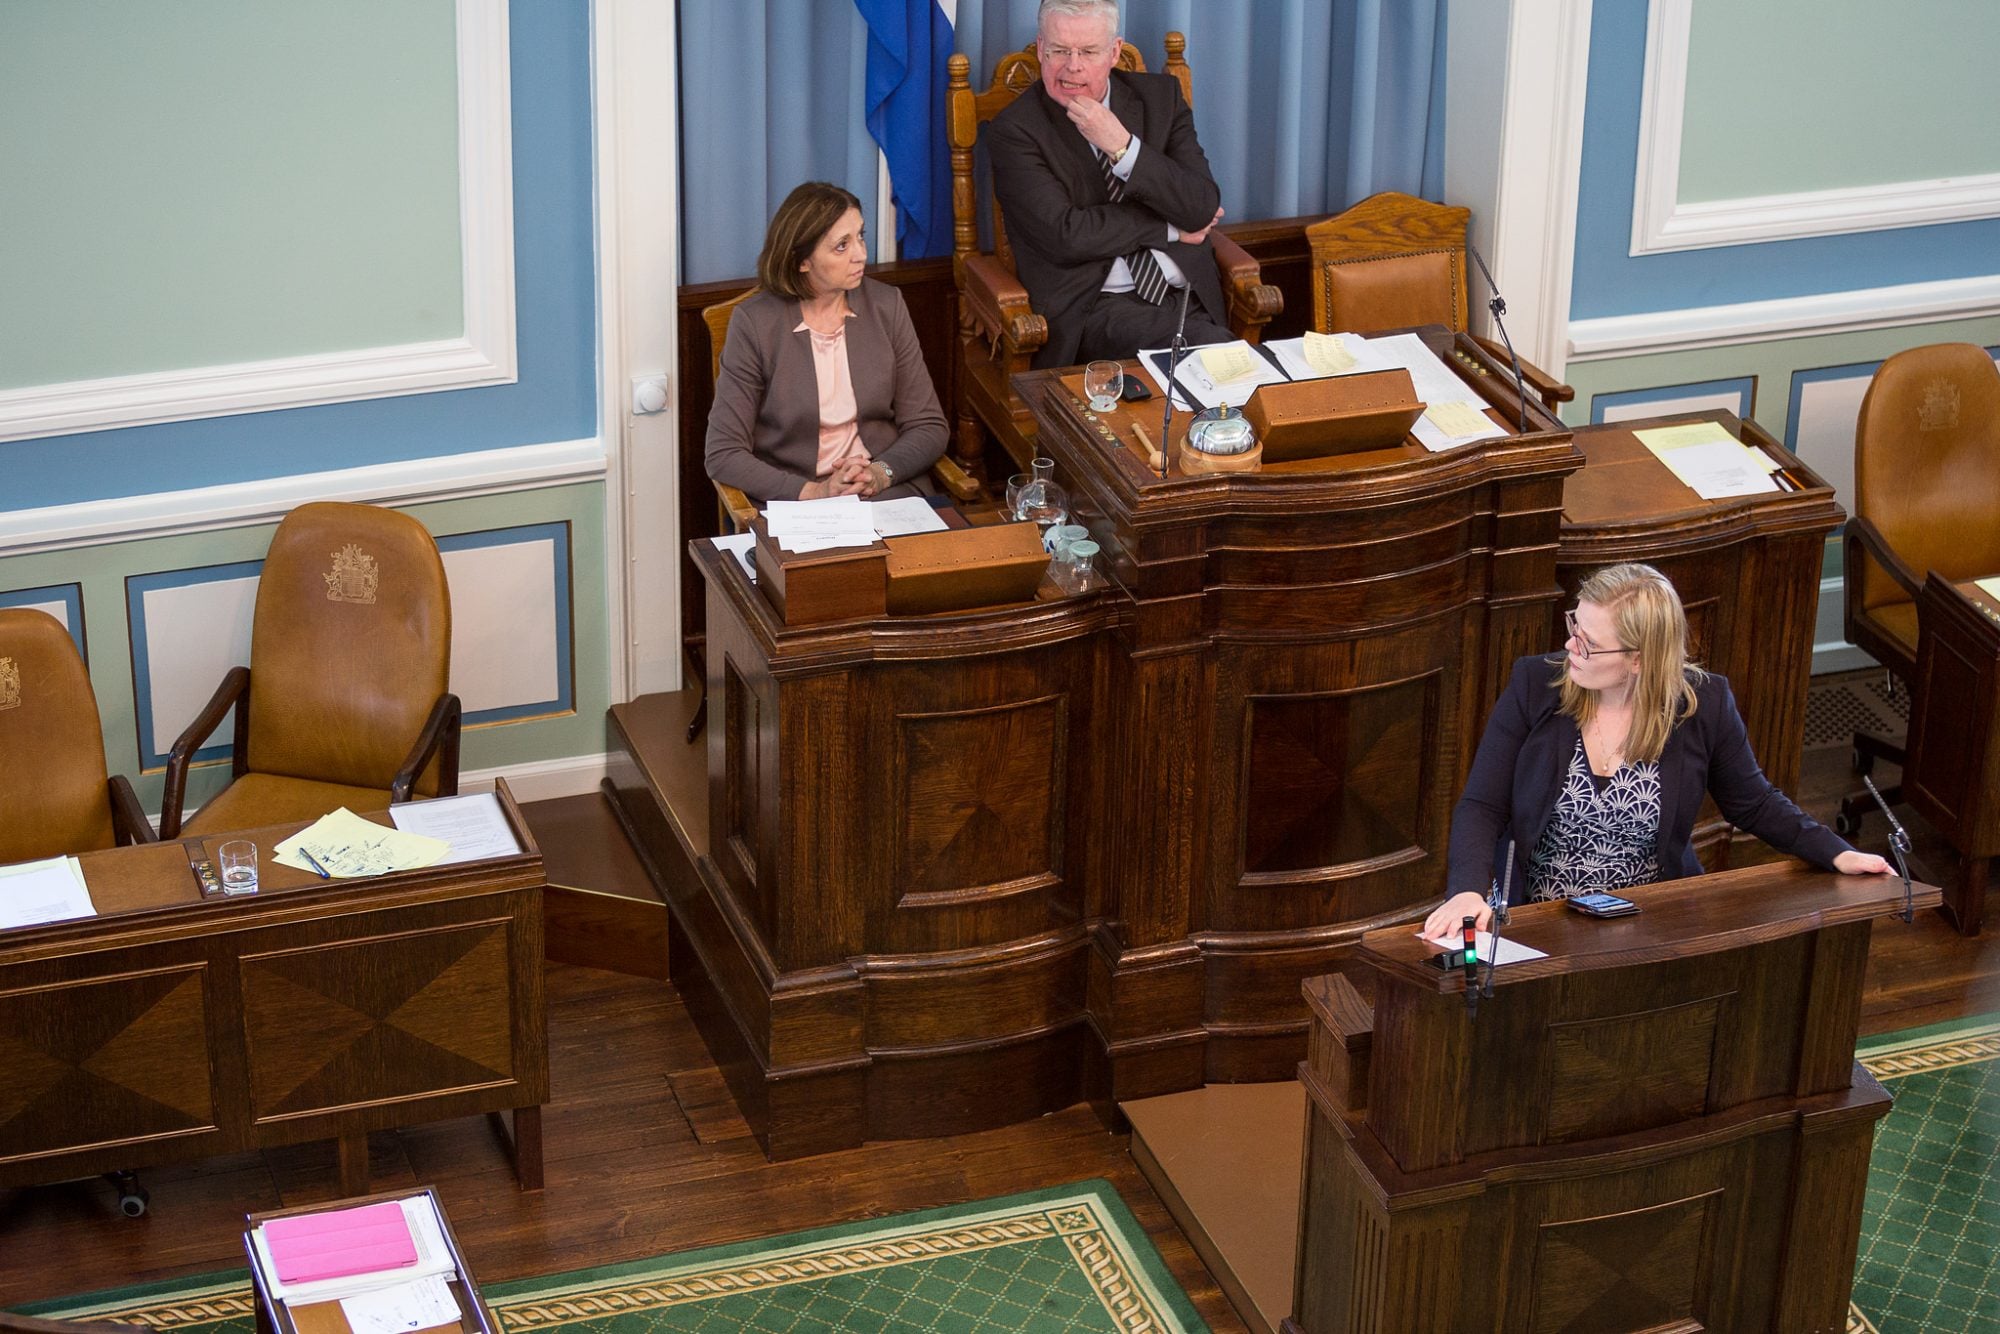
pixel 1303 106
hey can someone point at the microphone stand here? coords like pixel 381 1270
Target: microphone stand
pixel 1174 355
pixel 1899 845
pixel 1498 306
pixel 1504 891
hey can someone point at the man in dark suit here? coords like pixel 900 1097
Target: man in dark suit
pixel 1107 197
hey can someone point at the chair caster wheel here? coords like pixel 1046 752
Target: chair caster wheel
pixel 1847 826
pixel 133 1203
pixel 1863 763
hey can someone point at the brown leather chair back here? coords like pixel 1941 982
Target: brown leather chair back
pixel 52 777
pixel 966 111
pixel 351 647
pixel 1389 262
pixel 1927 466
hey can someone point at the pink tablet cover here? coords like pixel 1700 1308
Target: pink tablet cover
pixel 346 1241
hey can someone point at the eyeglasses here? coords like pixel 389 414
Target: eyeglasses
pixel 1060 55
pixel 1585 650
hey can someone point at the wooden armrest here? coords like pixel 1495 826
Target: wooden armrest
pixel 956 481
pixel 1253 303
pixel 439 738
pixel 128 817
pixel 234 690
pixel 1869 536
pixel 1551 390
pixel 737 508
pixel 994 300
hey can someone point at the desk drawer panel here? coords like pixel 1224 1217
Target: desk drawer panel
pixel 103 1060
pixel 378 1020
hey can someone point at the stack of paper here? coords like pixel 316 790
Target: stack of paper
pixel 819 525
pixel 46 891
pixel 343 845
pixel 471 827
pixel 386 1264
pixel 1711 461
pixel 1214 375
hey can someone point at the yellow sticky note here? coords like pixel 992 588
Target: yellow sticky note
pixel 1326 354
pixel 1661 438
pixel 1231 361
pixel 1456 419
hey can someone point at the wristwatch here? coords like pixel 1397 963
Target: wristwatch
pixel 1130 139
pixel 888 474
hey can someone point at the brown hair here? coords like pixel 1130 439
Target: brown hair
pixel 1648 614
pixel 808 214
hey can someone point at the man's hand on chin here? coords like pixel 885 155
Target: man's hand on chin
pixel 1099 125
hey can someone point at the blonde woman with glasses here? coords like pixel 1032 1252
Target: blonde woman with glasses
pixel 1595 764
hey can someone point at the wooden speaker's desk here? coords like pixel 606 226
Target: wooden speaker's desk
pixel 1659 1126
pixel 176 1025
pixel 1952 775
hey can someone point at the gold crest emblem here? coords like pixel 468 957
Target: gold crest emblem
pixel 354 576
pixel 1939 410
pixel 10 684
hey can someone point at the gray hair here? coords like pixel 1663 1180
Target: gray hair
pixel 1078 9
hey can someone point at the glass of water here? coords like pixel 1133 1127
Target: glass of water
pixel 239 866
pixel 1103 382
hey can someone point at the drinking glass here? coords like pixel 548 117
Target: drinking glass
pixel 1015 486
pixel 1076 570
pixel 239 866
pixel 1103 382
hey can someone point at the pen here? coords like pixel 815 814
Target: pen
pixel 313 862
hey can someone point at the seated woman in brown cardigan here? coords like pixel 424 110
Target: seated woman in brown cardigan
pixel 823 390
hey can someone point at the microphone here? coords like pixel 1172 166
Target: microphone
pixel 1497 900
pixel 1470 962
pixel 1899 844
pixel 1178 350
pixel 1498 305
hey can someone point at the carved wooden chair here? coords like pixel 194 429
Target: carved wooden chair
pixel 1393 261
pixel 734 510
pixel 55 796
pixel 1926 472
pixel 350 656
pixel 998 331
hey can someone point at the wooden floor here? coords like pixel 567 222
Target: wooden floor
pixel 646 1154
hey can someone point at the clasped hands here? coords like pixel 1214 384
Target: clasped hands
pixel 1101 126
pixel 850 477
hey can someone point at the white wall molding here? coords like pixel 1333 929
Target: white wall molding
pixel 1789 317
pixel 542 780
pixel 484 355
pixel 1662 223
pixel 247 504
pixel 1830 651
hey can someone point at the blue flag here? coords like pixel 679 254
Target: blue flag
pixel 909 42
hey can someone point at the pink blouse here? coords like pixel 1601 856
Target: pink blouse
pixel 839 438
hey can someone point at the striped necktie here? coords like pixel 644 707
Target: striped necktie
pixel 1149 280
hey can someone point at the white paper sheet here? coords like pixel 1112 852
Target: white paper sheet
pixel 1718 470
pixel 32 893
pixel 1197 381
pixel 1511 951
pixel 402 1308
pixel 433 1257
pixel 908 514
pixel 819 525
pixel 740 545
pixel 474 825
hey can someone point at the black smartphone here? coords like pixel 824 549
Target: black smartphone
pixel 1136 389
pixel 1603 905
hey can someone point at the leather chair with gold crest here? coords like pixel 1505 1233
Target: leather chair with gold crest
pixel 56 798
pixel 345 701
pixel 1394 261
pixel 1926 483
pixel 734 509
pixel 999 332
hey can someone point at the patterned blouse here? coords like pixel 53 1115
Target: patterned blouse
pixel 1604 835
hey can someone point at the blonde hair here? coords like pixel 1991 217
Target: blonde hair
pixel 1648 614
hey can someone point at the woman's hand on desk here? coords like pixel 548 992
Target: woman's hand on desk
pixel 1860 863
pixel 1444 925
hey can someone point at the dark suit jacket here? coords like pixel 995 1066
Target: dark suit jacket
pixel 763 431
pixel 1063 227
pixel 1518 772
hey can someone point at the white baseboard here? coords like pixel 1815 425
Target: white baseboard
pixel 247 504
pixel 1831 652
pixel 542 780
pixel 1790 317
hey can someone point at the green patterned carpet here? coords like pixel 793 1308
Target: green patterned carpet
pixel 1069 1258
pixel 1932 1221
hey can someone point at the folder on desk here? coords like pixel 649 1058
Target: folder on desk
pixel 367 1240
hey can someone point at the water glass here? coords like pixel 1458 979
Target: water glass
pixel 1057 538
pixel 1015 486
pixel 239 866
pixel 1075 572
pixel 1103 382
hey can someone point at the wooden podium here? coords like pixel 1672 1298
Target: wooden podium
pixel 1660 1126
pixel 1952 776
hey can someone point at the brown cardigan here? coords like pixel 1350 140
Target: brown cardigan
pixel 763 432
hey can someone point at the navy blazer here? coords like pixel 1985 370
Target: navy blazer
pixel 1517 776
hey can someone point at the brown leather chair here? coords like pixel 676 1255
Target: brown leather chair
pixel 349 657
pixel 1926 498
pixel 998 331
pixel 734 510
pixel 55 796
pixel 1394 261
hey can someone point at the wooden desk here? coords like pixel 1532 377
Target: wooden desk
pixel 1659 1126
pixel 275 1317
pixel 175 1026
pixel 1952 773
